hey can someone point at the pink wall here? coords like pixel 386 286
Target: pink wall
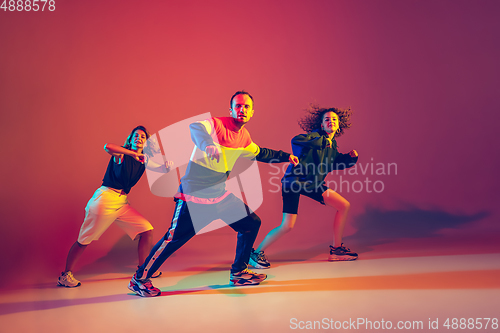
pixel 421 76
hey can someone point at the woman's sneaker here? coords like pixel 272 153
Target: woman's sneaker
pixel 68 280
pixel 143 288
pixel 246 277
pixel 258 260
pixel 341 253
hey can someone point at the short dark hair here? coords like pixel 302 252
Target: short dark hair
pixel 314 117
pixel 241 92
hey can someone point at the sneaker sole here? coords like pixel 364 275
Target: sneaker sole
pixel 246 282
pixel 240 283
pixel 63 285
pixel 342 258
pixel 257 265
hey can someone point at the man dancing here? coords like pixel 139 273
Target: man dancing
pixel 202 196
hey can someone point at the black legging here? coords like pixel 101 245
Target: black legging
pixel 189 218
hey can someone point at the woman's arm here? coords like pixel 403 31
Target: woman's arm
pixel 119 151
pixel 157 167
pixel 345 161
pixel 267 155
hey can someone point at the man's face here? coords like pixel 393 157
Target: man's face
pixel 242 108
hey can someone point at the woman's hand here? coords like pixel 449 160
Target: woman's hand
pixel 294 160
pixel 169 165
pixel 137 156
pixel 329 143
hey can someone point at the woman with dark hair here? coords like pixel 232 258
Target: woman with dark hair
pixel 109 203
pixel 318 155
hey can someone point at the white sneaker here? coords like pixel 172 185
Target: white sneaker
pixel 68 280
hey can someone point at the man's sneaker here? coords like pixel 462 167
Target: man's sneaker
pixel 68 280
pixel 341 253
pixel 143 288
pixel 258 260
pixel 246 277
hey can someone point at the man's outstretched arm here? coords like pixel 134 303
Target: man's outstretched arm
pixel 267 155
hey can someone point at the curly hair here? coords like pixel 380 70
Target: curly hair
pixel 151 148
pixel 314 117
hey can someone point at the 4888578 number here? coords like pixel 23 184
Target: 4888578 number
pixel 28 5
pixel 470 323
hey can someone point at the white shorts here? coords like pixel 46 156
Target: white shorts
pixel 105 207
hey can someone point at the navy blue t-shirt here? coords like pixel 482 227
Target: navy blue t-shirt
pixel 125 175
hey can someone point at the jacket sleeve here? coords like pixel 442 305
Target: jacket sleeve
pixel 309 141
pixel 200 134
pixel 267 155
pixel 344 161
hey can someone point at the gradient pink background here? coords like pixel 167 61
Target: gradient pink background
pixel 421 76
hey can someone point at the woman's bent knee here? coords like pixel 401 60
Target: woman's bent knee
pixel 346 206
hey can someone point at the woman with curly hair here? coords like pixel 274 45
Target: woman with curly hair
pixel 318 155
pixel 109 203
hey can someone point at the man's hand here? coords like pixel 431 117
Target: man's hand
pixel 353 153
pixel 169 165
pixel 212 152
pixel 294 160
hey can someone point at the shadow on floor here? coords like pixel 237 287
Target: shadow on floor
pixel 377 226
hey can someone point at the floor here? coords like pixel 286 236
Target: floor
pixel 373 294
